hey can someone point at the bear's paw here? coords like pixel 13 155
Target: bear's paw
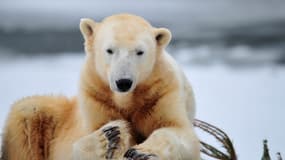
pixel 134 154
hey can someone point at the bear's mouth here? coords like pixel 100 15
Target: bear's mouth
pixel 122 81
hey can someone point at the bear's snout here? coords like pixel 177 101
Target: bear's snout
pixel 124 84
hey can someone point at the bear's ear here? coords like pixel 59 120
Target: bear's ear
pixel 162 36
pixel 87 27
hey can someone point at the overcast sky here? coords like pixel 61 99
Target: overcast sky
pixel 181 16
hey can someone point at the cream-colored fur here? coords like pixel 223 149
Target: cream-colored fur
pixel 154 117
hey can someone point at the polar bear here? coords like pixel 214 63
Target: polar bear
pixel 134 102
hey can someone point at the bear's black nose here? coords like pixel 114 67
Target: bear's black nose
pixel 124 84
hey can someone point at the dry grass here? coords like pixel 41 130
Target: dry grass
pixel 224 141
pixel 221 137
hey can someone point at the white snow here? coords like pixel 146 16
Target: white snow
pixel 246 103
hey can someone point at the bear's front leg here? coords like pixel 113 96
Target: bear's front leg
pixel 167 144
pixel 170 133
pixel 109 142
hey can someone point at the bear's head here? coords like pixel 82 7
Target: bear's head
pixel 124 49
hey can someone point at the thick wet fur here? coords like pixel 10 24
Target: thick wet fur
pixel 33 124
pixel 134 103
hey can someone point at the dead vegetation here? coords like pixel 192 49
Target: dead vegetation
pixel 228 152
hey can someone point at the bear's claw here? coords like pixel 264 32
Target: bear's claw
pixel 112 134
pixel 133 154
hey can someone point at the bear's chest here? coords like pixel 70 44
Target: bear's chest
pixel 139 109
pixel 141 115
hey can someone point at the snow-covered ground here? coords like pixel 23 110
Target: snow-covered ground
pixel 247 103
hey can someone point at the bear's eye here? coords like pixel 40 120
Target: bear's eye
pixel 139 53
pixel 109 51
